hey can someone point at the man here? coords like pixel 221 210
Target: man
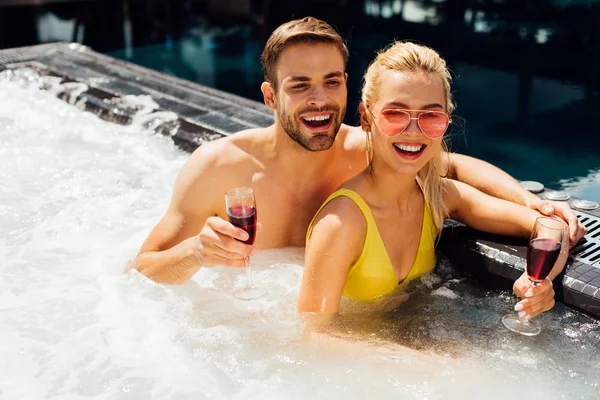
pixel 293 165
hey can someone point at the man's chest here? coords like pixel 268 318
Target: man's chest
pixel 285 207
pixel 286 214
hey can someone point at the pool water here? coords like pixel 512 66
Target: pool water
pixel 79 195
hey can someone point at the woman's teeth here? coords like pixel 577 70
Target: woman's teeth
pixel 412 149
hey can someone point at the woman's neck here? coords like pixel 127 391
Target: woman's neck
pixel 392 187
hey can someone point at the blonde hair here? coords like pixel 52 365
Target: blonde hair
pixel 411 57
pixel 307 30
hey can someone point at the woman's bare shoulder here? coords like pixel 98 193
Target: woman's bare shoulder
pixel 341 216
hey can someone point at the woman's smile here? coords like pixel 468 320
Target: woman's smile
pixel 409 151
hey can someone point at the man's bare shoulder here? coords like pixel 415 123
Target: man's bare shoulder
pixel 354 138
pixel 228 151
pixel 217 165
pixel 352 146
pixel 222 157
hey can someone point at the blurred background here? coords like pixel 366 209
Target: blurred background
pixel 527 72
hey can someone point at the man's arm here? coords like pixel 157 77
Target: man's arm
pixel 488 179
pixel 495 182
pixel 189 235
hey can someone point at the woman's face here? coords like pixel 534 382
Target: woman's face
pixel 410 150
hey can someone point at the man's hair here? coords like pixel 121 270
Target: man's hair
pixel 307 30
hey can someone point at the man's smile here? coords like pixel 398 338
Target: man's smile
pixel 317 122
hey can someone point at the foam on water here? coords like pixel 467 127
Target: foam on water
pixel 79 195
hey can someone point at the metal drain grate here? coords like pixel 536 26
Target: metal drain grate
pixel 588 250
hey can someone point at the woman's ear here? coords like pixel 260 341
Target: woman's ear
pixel 268 95
pixel 365 124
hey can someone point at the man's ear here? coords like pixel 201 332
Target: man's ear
pixel 268 95
pixel 365 124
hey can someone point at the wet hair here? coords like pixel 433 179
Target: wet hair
pixel 307 30
pixel 414 58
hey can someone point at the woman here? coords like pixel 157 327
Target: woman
pixel 380 228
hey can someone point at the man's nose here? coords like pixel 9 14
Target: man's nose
pixel 318 97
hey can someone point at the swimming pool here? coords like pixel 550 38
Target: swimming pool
pixel 81 194
pixel 546 146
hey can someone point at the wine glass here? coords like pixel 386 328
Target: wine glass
pixel 241 209
pixel 547 238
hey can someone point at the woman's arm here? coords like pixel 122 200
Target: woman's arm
pixel 493 215
pixel 334 244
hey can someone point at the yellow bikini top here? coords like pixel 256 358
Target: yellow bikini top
pixel 373 274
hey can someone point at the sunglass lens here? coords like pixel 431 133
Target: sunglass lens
pixel 433 124
pixel 392 122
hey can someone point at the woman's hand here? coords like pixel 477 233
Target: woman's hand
pixel 536 299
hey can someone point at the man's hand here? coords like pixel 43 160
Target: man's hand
pixel 562 210
pixel 219 243
pixel 537 299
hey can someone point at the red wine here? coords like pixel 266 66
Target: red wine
pixel 541 256
pixel 244 217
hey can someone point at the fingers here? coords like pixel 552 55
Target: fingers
pixel 576 229
pixel 228 262
pixel 537 300
pixel 225 251
pixel 581 231
pixel 220 252
pixel 521 285
pixel 530 308
pixel 569 216
pixel 546 208
pixel 219 244
pixel 228 246
pixel 226 228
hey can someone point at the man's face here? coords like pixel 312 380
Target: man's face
pixel 311 94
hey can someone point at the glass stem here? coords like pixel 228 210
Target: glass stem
pixel 249 282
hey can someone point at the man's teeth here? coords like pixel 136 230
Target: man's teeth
pixel 413 149
pixel 319 118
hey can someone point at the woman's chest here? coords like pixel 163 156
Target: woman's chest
pixel 400 236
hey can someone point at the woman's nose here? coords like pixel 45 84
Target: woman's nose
pixel 413 126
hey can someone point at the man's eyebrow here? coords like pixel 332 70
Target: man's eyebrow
pixel 336 74
pixel 298 79
pixel 402 105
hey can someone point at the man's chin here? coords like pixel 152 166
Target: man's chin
pixel 320 142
